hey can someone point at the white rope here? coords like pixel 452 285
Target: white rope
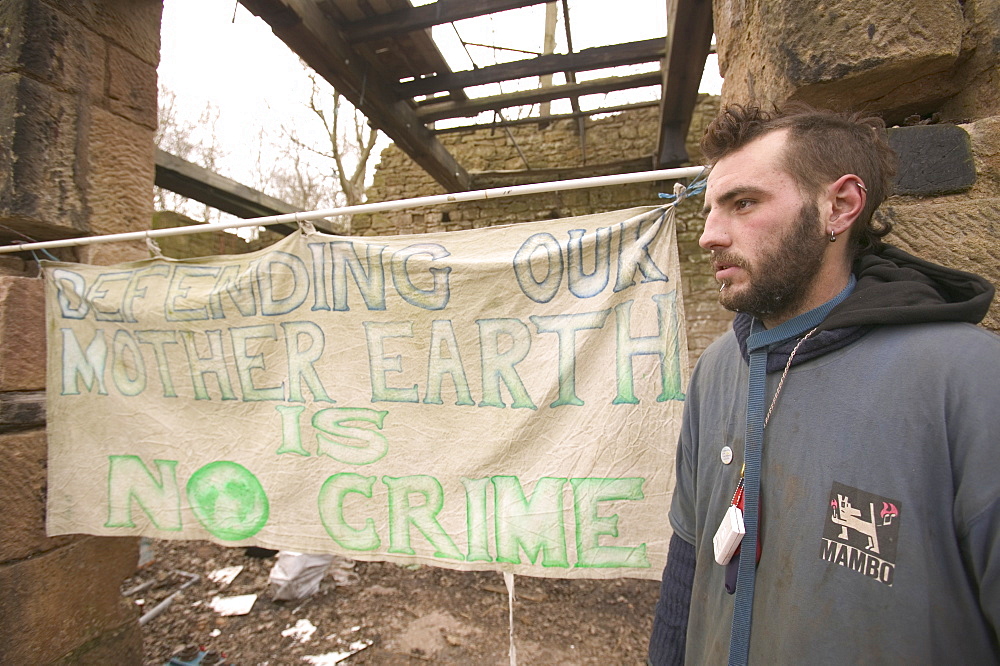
pixel 508 579
pixel 154 248
pixel 400 204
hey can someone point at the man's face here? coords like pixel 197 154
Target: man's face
pixel 767 240
pixel 780 276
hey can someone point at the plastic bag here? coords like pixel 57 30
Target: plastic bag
pixel 297 575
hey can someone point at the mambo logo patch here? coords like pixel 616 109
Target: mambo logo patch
pixel 861 532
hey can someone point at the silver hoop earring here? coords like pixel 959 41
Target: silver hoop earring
pixel 833 238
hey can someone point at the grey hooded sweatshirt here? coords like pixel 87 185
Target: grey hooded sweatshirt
pixel 880 483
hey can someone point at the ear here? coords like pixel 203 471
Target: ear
pixel 846 199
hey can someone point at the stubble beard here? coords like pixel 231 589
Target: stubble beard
pixel 779 281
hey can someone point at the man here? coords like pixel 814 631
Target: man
pixel 873 491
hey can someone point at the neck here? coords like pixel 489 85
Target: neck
pixel 821 308
pixel 822 290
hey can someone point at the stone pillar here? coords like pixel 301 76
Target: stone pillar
pixel 77 119
pixel 899 57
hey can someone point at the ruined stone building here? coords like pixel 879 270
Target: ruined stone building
pixel 77 119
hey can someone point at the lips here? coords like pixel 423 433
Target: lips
pixel 726 268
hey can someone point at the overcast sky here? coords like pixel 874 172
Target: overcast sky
pixel 219 53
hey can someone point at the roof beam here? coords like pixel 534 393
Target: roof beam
pixel 535 120
pixel 195 182
pixel 472 107
pixel 689 40
pixel 599 57
pixel 319 42
pixel 487 179
pixel 417 18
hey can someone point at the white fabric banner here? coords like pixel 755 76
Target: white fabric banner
pixel 505 398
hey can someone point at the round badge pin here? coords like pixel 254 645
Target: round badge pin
pixel 727 455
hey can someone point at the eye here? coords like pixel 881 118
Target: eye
pixel 743 204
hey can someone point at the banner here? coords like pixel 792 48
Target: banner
pixel 505 398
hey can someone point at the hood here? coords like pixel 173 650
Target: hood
pixel 893 288
pixel 897 288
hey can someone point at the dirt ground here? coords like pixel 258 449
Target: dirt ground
pixel 410 615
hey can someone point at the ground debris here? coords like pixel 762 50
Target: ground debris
pixel 397 616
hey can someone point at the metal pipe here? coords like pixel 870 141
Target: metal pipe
pixel 400 204
pixel 163 605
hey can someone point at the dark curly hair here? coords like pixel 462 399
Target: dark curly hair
pixel 823 146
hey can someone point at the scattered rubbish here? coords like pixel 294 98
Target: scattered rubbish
pixel 163 605
pixel 302 631
pixel 215 633
pixel 224 576
pixel 331 658
pixel 147 555
pixel 140 602
pixel 192 655
pixel 342 571
pixel 259 553
pixel 239 605
pixel 297 576
pixel 141 587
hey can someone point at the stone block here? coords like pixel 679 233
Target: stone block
pixel 14 265
pixel 120 178
pixel 960 233
pixel 108 254
pixel 898 58
pixel 985 135
pixel 51 47
pixel 22 492
pixel 132 87
pixel 22 334
pixel 22 409
pixel 42 184
pixel 61 601
pixel 980 74
pixel 131 24
pixel 933 160
pixel 117 646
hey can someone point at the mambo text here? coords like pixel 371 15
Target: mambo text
pixel 231 503
pixel 286 362
pixel 280 283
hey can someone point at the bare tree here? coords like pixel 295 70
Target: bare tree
pixel 191 141
pixel 350 140
pixel 292 177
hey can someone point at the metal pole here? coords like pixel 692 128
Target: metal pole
pixel 438 199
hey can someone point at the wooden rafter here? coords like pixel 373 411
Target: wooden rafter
pixel 442 110
pixel 418 18
pixel 535 120
pixel 689 40
pixel 316 39
pixel 195 182
pixel 599 57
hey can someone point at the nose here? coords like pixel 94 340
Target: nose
pixel 714 235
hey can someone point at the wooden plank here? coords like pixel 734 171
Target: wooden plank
pixel 689 39
pixel 534 120
pixel 488 179
pixel 442 110
pixel 318 41
pixel 426 16
pixel 195 182
pixel 597 57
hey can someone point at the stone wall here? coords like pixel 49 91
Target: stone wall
pixel 206 243
pixel 77 117
pixel 609 140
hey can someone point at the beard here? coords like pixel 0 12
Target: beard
pixel 779 280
